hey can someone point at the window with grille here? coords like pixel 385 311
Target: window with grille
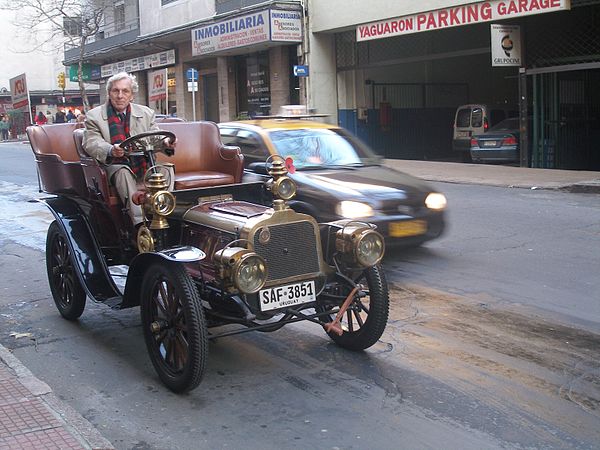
pixel 72 26
pixel 119 15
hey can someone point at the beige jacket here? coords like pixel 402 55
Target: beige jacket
pixel 96 138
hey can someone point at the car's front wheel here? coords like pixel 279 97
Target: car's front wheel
pixel 174 326
pixel 366 318
pixel 66 288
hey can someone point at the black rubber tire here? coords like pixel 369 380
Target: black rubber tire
pixel 179 350
pixel 373 310
pixel 67 292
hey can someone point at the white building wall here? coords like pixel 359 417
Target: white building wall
pixel 155 18
pixel 330 15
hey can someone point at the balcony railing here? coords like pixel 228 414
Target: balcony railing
pixel 108 37
pixel 223 6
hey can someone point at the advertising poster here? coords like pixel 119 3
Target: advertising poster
pixel 506 45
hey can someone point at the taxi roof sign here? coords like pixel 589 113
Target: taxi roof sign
pixel 294 112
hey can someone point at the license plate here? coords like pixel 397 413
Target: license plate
pixel 288 295
pixel 489 143
pixel 408 228
pixel 463 133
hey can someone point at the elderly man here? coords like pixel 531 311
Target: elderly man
pixel 106 126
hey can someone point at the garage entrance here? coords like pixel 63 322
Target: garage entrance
pixel 566 113
pixel 399 94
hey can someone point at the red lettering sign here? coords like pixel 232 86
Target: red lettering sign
pixel 457 16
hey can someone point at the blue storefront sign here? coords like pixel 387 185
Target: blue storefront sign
pixel 192 74
pixel 300 71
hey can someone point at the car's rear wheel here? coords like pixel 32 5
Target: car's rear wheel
pixel 365 320
pixel 66 288
pixel 174 326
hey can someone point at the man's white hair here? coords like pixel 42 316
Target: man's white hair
pixel 122 76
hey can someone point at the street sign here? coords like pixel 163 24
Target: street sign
pixel 300 71
pixel 192 86
pixel 192 75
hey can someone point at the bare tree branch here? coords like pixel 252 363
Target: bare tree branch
pixel 58 22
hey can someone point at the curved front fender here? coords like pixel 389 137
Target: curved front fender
pixel 87 257
pixel 141 262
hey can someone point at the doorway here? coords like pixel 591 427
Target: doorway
pixel 211 97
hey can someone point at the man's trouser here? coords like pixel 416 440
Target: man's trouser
pixel 124 180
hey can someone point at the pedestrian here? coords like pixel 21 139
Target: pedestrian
pixel 80 120
pixel 4 127
pixel 60 116
pixel 70 115
pixel 107 125
pixel 41 119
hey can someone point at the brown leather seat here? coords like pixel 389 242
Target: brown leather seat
pixel 57 158
pixel 54 139
pixel 201 159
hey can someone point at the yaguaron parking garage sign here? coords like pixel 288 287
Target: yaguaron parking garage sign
pixel 262 26
pixel 458 16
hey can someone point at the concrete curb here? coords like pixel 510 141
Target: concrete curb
pixel 79 427
pixel 501 176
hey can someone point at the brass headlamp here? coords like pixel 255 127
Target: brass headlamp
pixel 360 244
pixel 158 202
pixel 282 187
pixel 241 269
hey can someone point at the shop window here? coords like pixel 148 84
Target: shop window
pixel 253 84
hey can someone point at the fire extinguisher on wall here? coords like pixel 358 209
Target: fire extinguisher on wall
pixel 385 116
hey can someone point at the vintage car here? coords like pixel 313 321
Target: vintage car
pixel 214 252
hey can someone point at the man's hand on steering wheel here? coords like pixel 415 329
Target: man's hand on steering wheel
pixel 117 151
pixel 159 140
pixel 169 145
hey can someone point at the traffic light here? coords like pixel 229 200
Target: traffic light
pixel 61 80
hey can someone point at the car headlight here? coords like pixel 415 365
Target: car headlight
pixel 242 268
pixel 369 248
pixel 163 203
pixel 353 210
pixel 284 188
pixel 436 201
pixel 360 244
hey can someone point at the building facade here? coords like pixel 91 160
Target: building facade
pixel 395 72
pixel 392 72
pixel 206 59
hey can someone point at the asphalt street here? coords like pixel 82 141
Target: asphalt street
pixel 492 342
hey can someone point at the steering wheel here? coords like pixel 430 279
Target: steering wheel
pixel 147 141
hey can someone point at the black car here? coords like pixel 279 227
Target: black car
pixel 339 177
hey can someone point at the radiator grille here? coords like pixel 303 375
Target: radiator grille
pixel 291 250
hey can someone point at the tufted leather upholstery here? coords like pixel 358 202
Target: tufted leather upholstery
pixel 201 159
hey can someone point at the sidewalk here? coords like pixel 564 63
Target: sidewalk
pixel 497 175
pixel 32 417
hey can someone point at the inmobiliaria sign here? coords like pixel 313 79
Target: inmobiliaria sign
pixel 458 16
pixel 255 28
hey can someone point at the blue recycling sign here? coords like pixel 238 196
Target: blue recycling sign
pixel 192 75
pixel 300 71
